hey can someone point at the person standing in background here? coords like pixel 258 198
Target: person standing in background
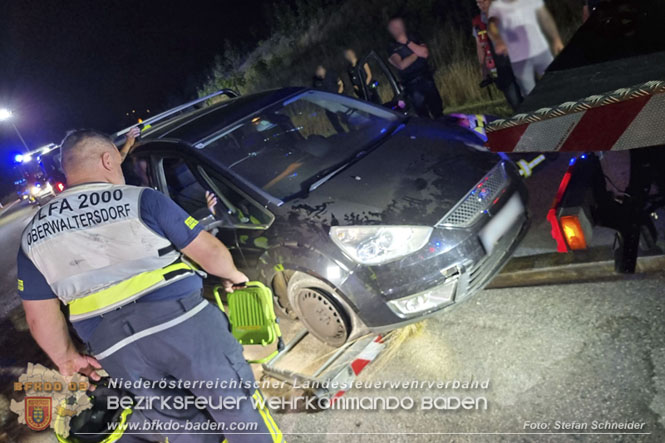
pixel 325 80
pixel 518 28
pixel 495 67
pixel 408 54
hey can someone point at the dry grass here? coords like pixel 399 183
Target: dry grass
pixel 394 340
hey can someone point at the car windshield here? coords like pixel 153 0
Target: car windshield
pixel 291 143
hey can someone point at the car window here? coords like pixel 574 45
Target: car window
pixel 291 142
pixel 183 186
pixel 138 171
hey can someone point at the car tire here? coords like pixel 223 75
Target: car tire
pixel 318 309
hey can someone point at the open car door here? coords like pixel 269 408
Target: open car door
pixel 383 87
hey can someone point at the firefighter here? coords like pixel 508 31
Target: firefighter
pixel 409 54
pixel 121 258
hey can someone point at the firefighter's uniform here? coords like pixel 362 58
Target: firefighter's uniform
pixel 111 253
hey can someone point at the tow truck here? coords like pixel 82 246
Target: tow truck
pixel 604 92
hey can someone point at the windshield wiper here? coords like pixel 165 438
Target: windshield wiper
pixel 325 178
pixel 326 174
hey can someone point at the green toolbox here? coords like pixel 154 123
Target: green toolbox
pixel 252 316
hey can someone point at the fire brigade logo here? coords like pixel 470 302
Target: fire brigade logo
pixel 38 412
pixel 49 400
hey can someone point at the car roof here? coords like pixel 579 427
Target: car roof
pixel 198 124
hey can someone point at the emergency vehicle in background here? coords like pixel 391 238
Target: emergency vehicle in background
pixel 604 92
pixel 38 176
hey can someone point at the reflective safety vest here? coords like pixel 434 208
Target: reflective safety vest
pixel 96 253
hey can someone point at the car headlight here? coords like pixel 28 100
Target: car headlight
pixel 373 245
pixel 34 190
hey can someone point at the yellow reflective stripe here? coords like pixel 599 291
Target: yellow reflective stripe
pixel 121 291
pixel 276 434
pixel 20 285
pixel 260 408
pixel 191 222
pixel 120 429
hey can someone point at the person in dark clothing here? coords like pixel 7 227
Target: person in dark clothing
pixel 327 80
pixel 408 54
pixel 356 78
pixel 496 68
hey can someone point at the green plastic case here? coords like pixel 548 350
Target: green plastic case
pixel 252 316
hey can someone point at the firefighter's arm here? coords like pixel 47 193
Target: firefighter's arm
pixel 402 63
pixel 550 29
pixel 49 329
pixel 214 258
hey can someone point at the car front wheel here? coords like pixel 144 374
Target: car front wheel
pixel 316 306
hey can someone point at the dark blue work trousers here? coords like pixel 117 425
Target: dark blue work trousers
pixel 189 340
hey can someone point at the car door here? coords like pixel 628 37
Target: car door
pixel 383 84
pixel 236 219
pixel 249 219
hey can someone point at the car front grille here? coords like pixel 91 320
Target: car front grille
pixel 479 198
pixel 483 269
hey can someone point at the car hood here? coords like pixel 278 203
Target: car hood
pixel 414 177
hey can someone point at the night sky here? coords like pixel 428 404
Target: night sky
pixel 72 64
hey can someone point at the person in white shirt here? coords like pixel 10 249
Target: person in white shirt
pixel 521 29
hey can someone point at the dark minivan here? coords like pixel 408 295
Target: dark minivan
pixel 362 219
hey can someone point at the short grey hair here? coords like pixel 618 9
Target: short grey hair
pixel 73 145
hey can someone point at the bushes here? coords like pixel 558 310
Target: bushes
pixel 306 33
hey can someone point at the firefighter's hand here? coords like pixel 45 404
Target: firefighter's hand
pixel 237 279
pixel 84 364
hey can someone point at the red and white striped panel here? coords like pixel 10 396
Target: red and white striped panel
pixel 629 124
pixel 356 366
